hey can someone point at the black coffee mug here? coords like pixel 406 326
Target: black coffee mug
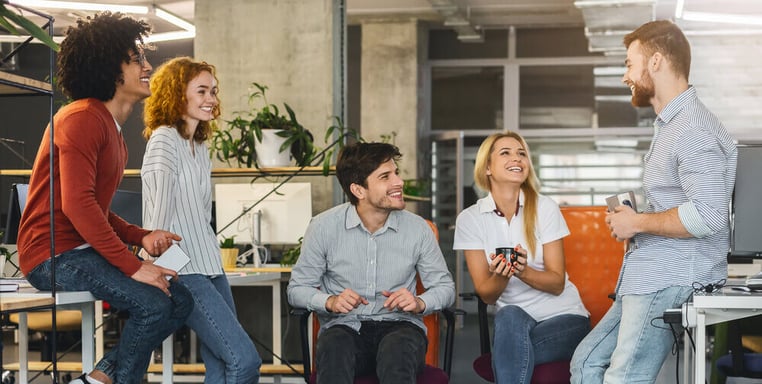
pixel 509 253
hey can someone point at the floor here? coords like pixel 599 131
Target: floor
pixel 466 347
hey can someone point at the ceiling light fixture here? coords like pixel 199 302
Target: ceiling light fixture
pixel 188 29
pixel 726 18
pixel 46 4
pixel 162 14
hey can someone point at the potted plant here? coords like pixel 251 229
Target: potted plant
pixel 292 255
pixel 247 128
pixel 229 252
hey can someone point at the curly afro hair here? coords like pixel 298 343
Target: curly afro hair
pixel 91 56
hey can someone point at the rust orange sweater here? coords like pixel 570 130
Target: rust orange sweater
pixel 89 160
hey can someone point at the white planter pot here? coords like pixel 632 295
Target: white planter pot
pixel 268 154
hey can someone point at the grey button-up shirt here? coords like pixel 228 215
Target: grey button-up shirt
pixel 339 252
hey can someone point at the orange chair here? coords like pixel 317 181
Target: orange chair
pixel 593 257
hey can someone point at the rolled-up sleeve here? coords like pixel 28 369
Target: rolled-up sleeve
pixel 703 171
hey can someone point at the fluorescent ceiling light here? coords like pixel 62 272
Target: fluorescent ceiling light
pixel 141 10
pixel 609 3
pixel 727 18
pixel 188 32
pixel 170 36
pixel 160 13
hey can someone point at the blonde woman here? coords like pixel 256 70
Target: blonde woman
pixel 540 315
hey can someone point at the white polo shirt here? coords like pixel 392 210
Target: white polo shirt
pixel 479 228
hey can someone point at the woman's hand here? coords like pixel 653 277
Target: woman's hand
pixel 156 242
pixel 498 265
pixel 521 261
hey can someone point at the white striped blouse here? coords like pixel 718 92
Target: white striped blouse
pixel 177 196
pixel 691 165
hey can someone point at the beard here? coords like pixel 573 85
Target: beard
pixel 386 204
pixel 644 91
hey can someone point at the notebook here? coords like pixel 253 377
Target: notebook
pixel 173 258
pixel 624 198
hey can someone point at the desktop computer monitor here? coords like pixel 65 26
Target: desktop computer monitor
pixel 283 214
pixel 746 211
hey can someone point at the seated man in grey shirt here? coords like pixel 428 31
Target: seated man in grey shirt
pixel 357 271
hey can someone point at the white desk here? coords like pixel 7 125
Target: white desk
pixel 707 309
pixel 243 278
pixel 79 300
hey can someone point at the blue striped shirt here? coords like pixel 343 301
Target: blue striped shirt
pixel 692 166
pixel 338 252
pixel 177 196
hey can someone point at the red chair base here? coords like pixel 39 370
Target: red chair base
pixel 430 375
pixel 556 372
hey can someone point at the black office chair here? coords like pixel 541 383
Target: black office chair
pixel 739 362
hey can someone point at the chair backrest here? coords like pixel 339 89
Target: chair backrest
pixel 129 206
pixel 593 257
pixel 16 204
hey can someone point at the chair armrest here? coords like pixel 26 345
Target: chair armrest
pixel 304 316
pixel 300 312
pixel 449 315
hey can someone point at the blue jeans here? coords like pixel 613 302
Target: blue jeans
pixel 394 350
pixel 601 358
pixel 228 352
pixel 521 342
pixel 152 315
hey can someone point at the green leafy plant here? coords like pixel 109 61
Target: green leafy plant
pixel 12 21
pixel 237 142
pixel 227 242
pixel 292 255
pixel 342 134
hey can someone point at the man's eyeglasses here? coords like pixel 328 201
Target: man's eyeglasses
pixel 139 59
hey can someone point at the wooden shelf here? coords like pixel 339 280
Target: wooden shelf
pixel 216 172
pixel 15 85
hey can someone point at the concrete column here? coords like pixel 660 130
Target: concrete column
pixel 284 44
pixel 392 57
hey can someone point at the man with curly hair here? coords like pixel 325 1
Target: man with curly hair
pixel 102 68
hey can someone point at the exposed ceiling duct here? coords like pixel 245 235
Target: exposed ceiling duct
pixel 607 21
pixel 458 20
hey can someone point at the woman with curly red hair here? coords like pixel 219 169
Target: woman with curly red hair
pixel 177 194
